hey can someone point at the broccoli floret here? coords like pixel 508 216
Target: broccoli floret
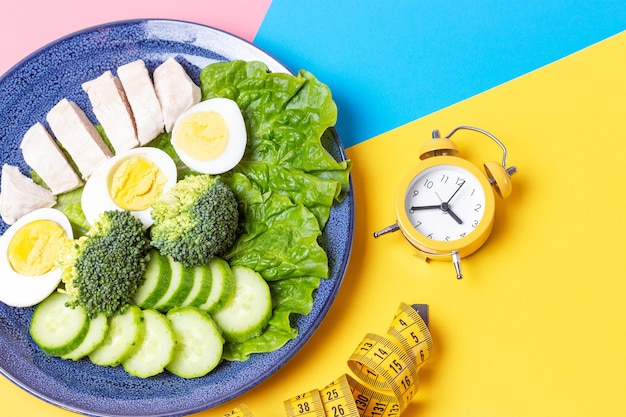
pixel 195 220
pixel 103 269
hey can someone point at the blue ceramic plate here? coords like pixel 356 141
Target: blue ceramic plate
pixel 27 92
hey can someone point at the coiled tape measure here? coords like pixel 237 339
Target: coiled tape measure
pixel 386 369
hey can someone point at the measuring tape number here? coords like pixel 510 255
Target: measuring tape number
pixel 386 368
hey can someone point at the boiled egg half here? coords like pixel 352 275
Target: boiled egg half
pixel 28 253
pixel 132 180
pixel 210 137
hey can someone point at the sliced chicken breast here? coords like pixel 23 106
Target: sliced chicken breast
pixel 112 110
pixel 175 89
pixel 19 195
pixel 142 99
pixel 43 155
pixel 78 136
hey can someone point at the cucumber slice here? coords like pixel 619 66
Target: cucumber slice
pixel 222 286
pixel 201 286
pixel 250 308
pixel 98 328
pixel 126 331
pixel 156 281
pixel 199 343
pixel 180 285
pixel 56 328
pixel 156 349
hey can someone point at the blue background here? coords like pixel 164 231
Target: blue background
pixel 438 53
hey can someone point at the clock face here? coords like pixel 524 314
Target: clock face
pixel 445 202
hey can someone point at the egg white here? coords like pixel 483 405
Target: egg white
pixel 96 197
pixel 237 137
pixel 19 290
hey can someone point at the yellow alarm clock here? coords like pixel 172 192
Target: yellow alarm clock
pixel 445 205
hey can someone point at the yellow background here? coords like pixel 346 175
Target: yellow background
pixel 538 325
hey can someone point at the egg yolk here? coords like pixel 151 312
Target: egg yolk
pixel 33 249
pixel 203 135
pixel 136 184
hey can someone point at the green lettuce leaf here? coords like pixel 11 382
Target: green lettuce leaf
pixel 279 238
pixel 315 193
pixel 286 185
pixel 285 115
pixel 69 204
pixel 262 96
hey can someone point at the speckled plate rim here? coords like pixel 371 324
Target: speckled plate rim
pixel 69 385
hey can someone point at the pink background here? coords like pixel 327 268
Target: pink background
pixel 27 25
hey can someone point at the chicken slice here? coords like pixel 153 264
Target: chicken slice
pixel 19 195
pixel 112 110
pixel 43 155
pixel 175 89
pixel 78 136
pixel 143 100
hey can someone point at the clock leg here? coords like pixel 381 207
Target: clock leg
pixel 456 260
pixel 389 229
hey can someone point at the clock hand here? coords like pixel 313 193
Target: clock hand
pixel 438 206
pixel 454 216
pixel 457 190
pixel 445 207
